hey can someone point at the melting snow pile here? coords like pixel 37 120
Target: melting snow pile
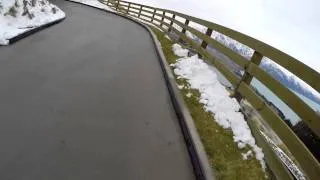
pixel 216 100
pixel 94 3
pixel 179 51
pixel 19 16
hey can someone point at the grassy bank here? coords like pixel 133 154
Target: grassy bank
pixel 224 156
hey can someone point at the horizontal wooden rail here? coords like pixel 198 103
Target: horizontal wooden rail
pixel 169 22
pixel 308 75
pixel 296 147
pixel 281 173
pixel 134 8
pixel 287 96
pixel 238 59
pixel 148 11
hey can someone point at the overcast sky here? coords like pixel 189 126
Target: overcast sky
pixel 293 26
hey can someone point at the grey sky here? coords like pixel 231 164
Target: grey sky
pixel 293 26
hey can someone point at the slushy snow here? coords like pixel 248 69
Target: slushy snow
pixel 179 51
pixel 94 3
pixel 215 98
pixel 15 23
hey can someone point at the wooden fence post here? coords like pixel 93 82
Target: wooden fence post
pixel 247 78
pixel 140 11
pixel 204 44
pixel 184 30
pixel 154 13
pixel 185 23
pixel 171 23
pixel 162 19
pixel 117 5
pixel 129 5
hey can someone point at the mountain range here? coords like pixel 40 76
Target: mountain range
pixel 285 77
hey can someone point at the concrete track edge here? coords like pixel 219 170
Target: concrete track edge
pixel 32 31
pixel 199 159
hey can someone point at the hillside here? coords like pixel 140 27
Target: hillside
pixel 19 16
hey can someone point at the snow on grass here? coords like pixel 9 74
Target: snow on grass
pixel 17 17
pixel 94 3
pixel 166 36
pixel 179 51
pixel 189 95
pixel 180 86
pixel 246 155
pixel 215 98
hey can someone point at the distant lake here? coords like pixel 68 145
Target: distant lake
pixel 281 105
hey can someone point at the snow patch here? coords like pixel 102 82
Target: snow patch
pixel 94 3
pixel 180 86
pixel 179 51
pixel 245 156
pixel 18 16
pixel 166 36
pixel 215 98
pixel 189 95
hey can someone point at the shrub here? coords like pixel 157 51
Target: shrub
pixel 33 3
pixel 12 12
pixel 1 7
pixel 54 10
pixel 16 4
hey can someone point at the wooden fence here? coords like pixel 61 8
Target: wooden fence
pixel 172 21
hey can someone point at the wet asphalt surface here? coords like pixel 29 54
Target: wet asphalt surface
pixel 86 100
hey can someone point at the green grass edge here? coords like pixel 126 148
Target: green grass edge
pixel 224 156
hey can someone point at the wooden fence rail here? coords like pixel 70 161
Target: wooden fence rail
pixel 168 20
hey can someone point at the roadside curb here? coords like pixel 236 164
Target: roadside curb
pixel 195 147
pixel 32 31
pixel 199 159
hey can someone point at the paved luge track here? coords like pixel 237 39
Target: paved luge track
pixel 86 99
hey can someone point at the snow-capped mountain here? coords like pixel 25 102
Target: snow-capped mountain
pixel 276 71
pixel 290 81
